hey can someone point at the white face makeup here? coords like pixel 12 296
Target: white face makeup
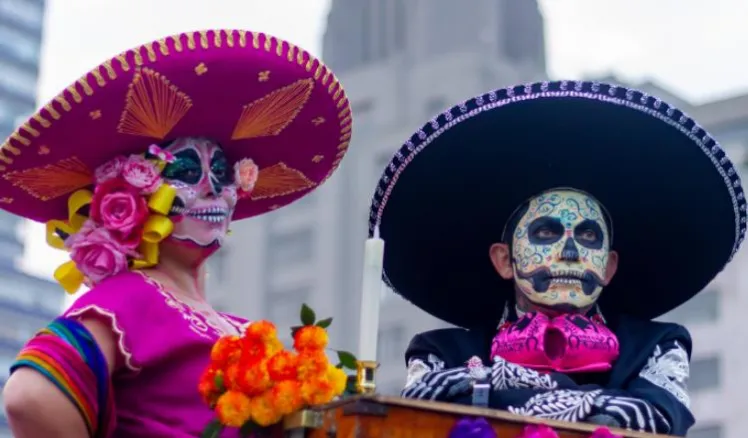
pixel 560 250
pixel 206 193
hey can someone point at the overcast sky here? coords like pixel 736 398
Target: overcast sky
pixel 696 48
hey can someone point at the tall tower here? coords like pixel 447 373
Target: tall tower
pixel 26 303
pixel 401 62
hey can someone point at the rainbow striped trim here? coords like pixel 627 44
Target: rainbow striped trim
pixel 66 353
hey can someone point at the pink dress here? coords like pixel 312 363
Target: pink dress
pixel 164 345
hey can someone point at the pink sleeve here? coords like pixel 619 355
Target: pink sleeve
pixel 126 303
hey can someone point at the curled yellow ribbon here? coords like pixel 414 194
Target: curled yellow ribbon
pixel 157 228
pixel 53 239
pixel 77 202
pixel 150 256
pixel 161 201
pixel 69 277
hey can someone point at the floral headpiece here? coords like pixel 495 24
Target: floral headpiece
pixel 119 225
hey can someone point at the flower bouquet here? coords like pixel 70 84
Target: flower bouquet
pixel 252 381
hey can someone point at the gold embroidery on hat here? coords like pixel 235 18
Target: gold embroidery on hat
pixel 279 180
pixel 263 76
pixel 271 114
pixel 317 158
pixel 274 207
pixel 43 150
pixel 318 121
pixel 201 69
pixel 153 106
pixel 95 114
pixel 6 200
pixel 53 180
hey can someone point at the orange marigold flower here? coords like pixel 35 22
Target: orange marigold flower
pixel 286 396
pixel 261 330
pixel 263 411
pixel 231 376
pixel 338 378
pixel 283 366
pixel 225 350
pixel 312 364
pixel 317 391
pixel 310 337
pixel 207 386
pixel 253 351
pixel 254 379
pixel 273 346
pixel 233 409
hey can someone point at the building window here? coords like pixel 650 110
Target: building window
pixel 15 79
pixel 391 343
pixel 702 308
pixel 362 107
pixel 30 13
pixel 21 45
pixel 706 431
pixel 435 106
pixel 292 248
pixel 705 374
pixel 283 307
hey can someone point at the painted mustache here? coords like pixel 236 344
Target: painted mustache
pixel 542 278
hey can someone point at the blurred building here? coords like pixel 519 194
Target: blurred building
pixel 401 64
pixel 26 303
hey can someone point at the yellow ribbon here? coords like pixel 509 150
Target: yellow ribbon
pixel 157 228
pixel 53 239
pixel 76 202
pixel 69 277
pixel 161 201
pixel 150 256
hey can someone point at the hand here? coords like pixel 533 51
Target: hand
pixel 506 375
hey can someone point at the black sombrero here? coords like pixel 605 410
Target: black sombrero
pixel 675 198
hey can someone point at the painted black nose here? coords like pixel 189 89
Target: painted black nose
pixel 570 253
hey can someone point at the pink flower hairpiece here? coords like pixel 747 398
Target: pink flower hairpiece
pixel 246 173
pixel 162 154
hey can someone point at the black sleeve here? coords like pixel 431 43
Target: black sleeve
pixel 656 400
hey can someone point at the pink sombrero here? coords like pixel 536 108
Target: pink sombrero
pixel 260 97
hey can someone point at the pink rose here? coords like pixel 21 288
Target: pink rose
pixel 119 208
pixel 245 175
pixel 538 431
pixel 141 174
pixel 96 253
pixel 604 432
pixel 109 170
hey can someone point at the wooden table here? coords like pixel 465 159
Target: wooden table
pixel 394 417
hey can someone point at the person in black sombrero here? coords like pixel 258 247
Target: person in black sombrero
pixel 552 222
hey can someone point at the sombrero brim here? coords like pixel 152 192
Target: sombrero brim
pixel 260 97
pixel 675 199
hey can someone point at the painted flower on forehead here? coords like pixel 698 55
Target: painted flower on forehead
pixel 161 154
pixel 142 174
pixel 245 175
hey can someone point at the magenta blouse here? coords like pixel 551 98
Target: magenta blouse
pixel 164 345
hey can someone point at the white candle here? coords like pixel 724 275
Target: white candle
pixel 371 291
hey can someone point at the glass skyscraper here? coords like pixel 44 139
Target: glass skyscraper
pixel 27 303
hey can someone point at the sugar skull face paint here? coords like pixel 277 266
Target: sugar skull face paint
pixel 560 251
pixel 206 193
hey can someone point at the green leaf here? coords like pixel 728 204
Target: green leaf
pixel 347 359
pixel 307 315
pixel 212 430
pixel 339 366
pixel 247 429
pixel 218 380
pixel 324 323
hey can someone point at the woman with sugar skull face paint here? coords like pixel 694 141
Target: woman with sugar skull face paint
pixel 173 141
pixel 555 269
